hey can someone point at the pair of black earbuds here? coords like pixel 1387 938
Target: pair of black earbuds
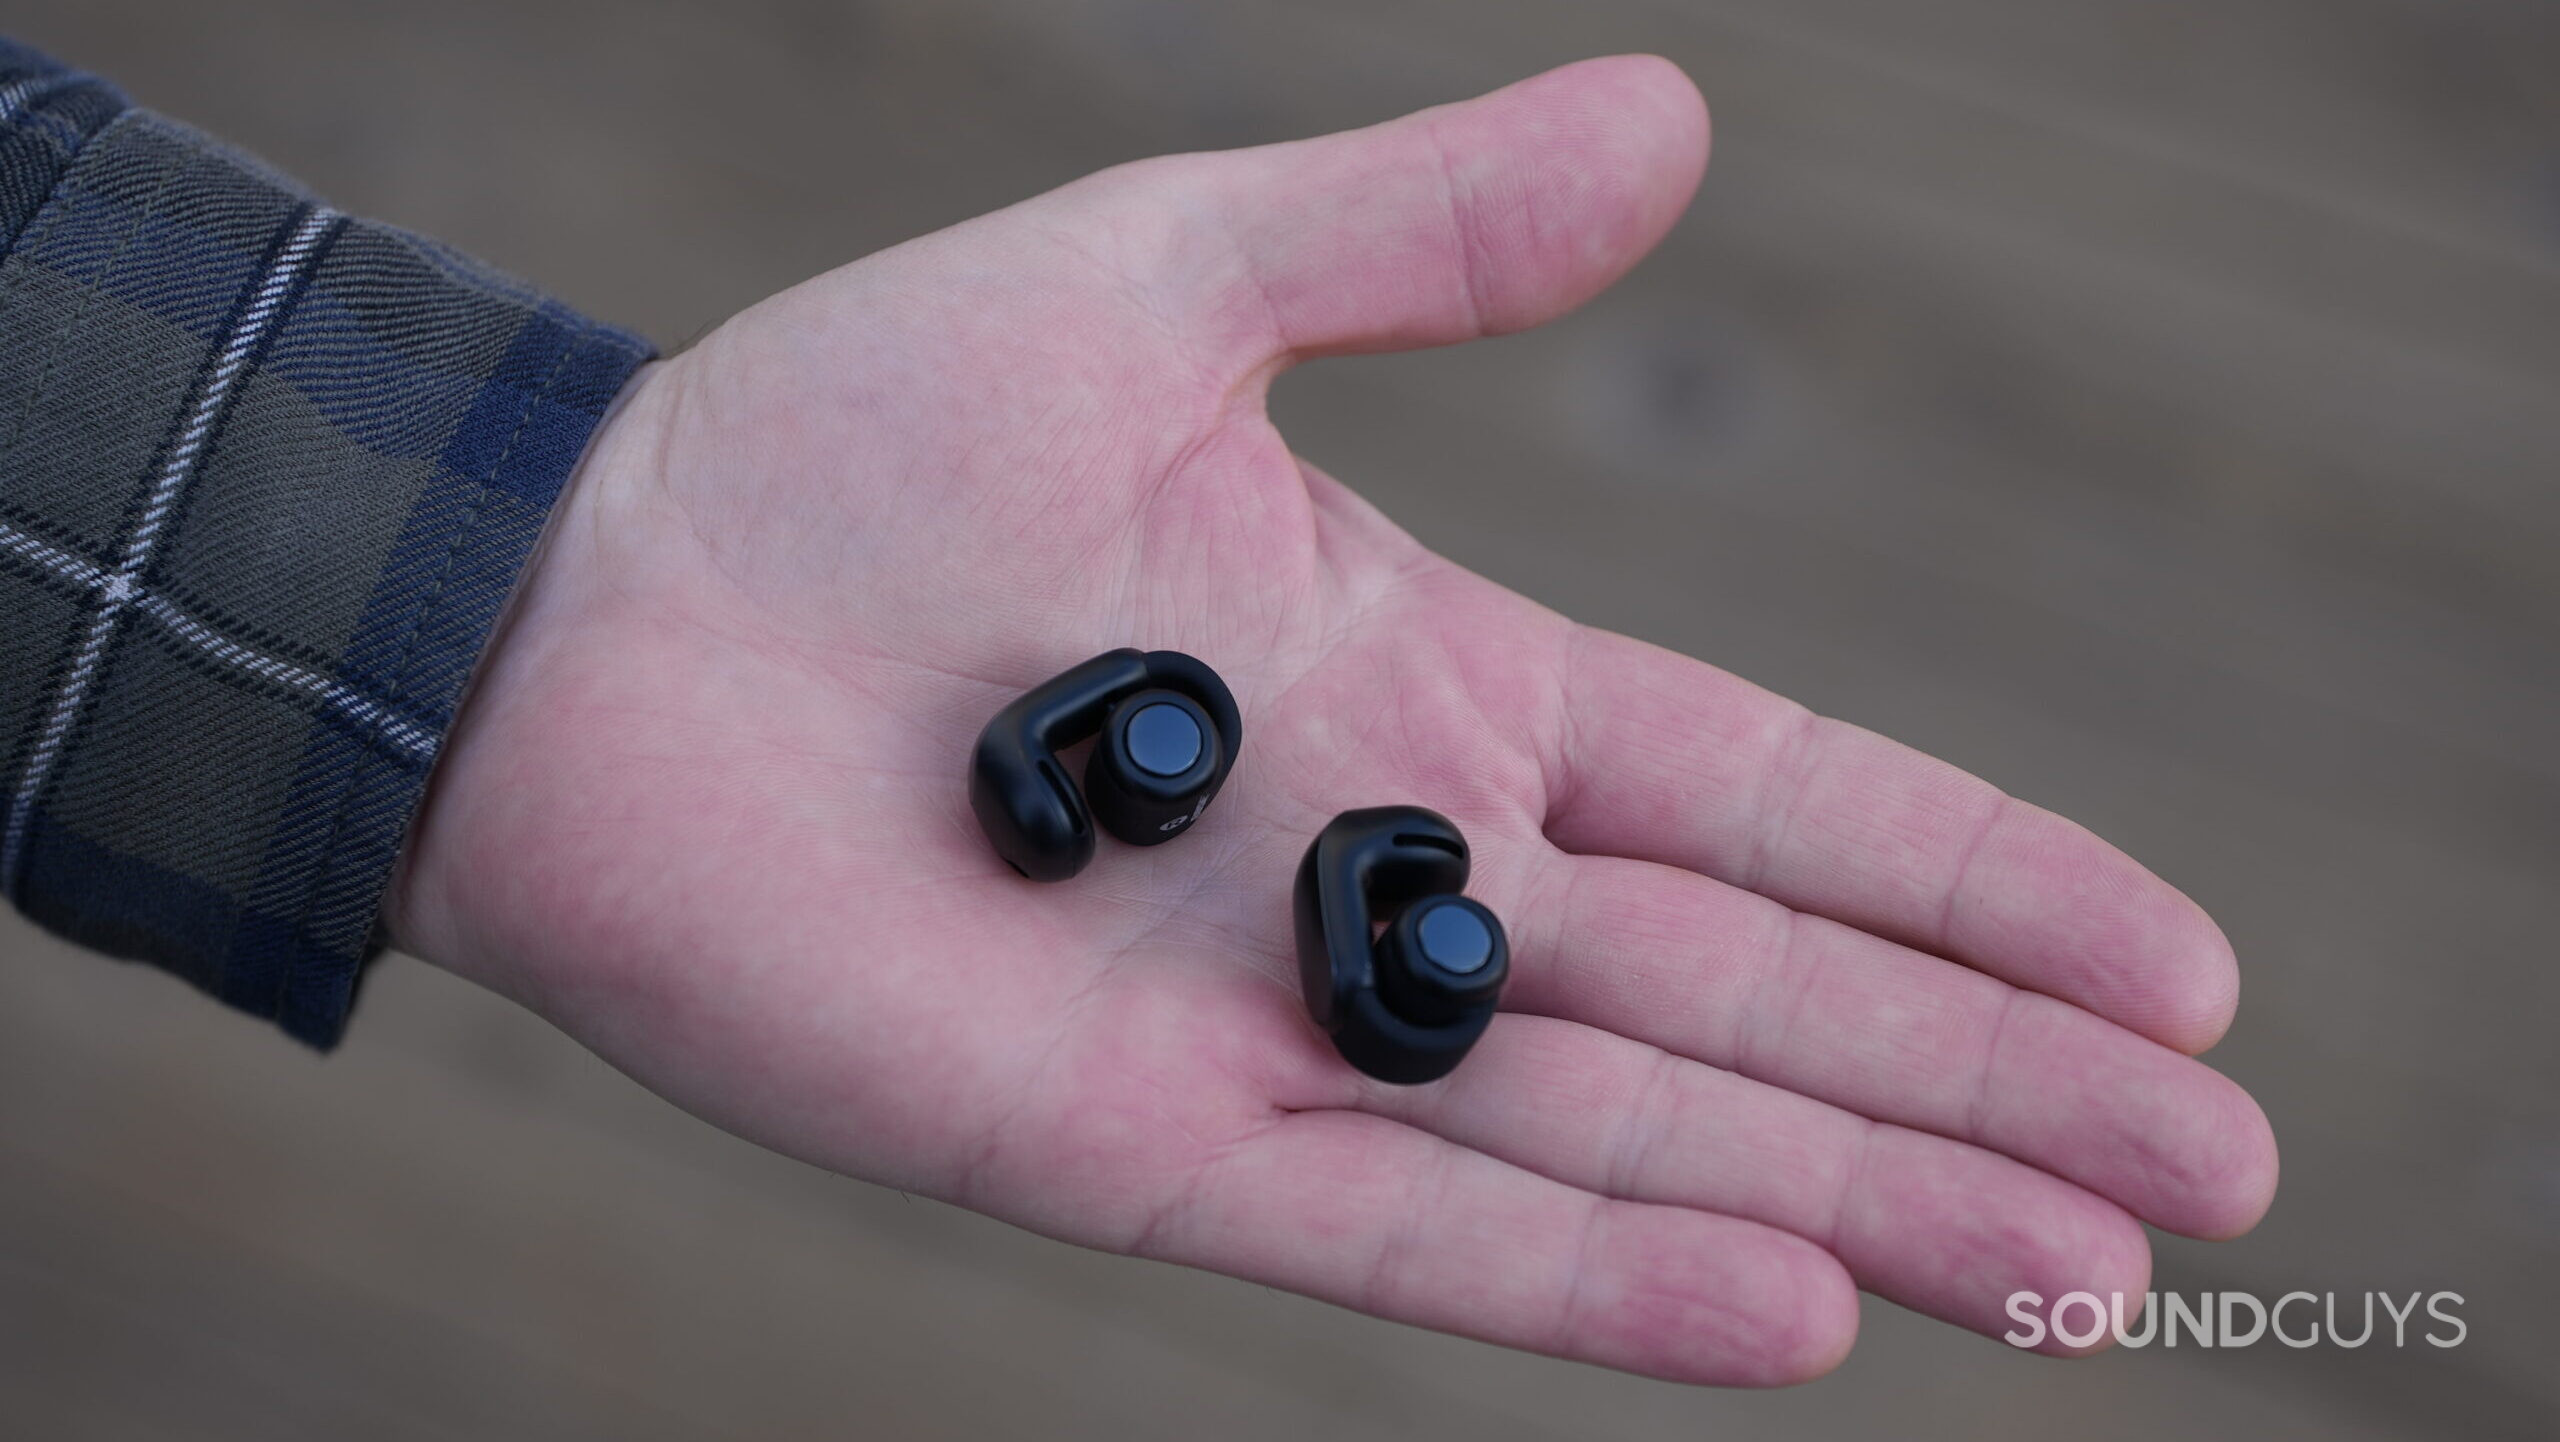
pixel 1401 971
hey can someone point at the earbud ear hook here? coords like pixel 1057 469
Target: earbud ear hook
pixel 1169 731
pixel 1406 1007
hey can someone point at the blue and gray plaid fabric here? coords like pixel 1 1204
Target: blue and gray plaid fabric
pixel 267 476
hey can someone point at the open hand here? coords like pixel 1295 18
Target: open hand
pixel 1794 1010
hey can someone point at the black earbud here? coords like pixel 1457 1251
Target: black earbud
pixel 1406 1005
pixel 1168 734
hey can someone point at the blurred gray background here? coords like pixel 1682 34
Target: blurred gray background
pixel 2153 405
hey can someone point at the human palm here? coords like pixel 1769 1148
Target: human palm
pixel 1794 1010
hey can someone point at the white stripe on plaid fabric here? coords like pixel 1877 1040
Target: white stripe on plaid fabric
pixel 410 738
pixel 117 590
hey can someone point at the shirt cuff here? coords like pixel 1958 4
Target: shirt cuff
pixel 268 476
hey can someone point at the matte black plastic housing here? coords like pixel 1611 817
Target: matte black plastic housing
pixel 1037 821
pixel 1136 803
pixel 1388 1009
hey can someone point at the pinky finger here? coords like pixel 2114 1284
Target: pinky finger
pixel 1378 1216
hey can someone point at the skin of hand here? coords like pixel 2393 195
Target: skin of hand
pixel 1795 1011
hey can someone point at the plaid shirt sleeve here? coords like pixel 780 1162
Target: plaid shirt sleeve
pixel 267 476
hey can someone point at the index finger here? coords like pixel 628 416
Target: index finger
pixel 1663 758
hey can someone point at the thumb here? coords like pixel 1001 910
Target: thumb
pixel 1472 219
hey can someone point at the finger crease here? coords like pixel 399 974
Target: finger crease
pixel 1945 939
pixel 1782 784
pixel 1559 774
pixel 1578 1281
pixel 1978 1106
pixel 1639 1135
pixel 1462 236
pixel 1424 1203
pixel 1852 1182
pixel 1757 1033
